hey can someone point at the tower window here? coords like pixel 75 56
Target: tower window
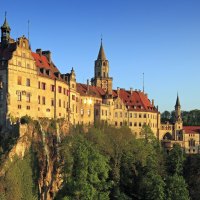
pixel 99 73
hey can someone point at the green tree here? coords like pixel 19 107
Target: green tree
pixel 18 182
pixel 85 170
pixel 153 187
pixel 192 175
pixel 176 188
pixel 175 160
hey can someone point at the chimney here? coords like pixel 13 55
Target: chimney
pixel 39 51
pixel 131 90
pixel 152 102
pixel 47 54
pixel 88 84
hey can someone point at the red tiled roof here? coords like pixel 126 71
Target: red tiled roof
pixel 191 129
pixel 93 91
pixel 6 53
pixel 135 101
pixel 41 61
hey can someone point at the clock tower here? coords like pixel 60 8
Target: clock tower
pixel 101 72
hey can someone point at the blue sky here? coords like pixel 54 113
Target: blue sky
pixel 158 37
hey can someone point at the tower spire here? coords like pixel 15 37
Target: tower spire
pixel 177 101
pixel 101 55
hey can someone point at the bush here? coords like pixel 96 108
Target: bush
pixel 25 119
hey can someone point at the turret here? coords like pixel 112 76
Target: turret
pixel 178 110
pixel 5 33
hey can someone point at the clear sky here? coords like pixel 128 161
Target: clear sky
pixel 158 37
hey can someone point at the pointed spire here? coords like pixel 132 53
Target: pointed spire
pixel 177 101
pixel 101 55
pixel 5 24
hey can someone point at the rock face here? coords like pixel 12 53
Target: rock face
pixel 43 137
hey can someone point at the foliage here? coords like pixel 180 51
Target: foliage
pixel 86 170
pixel 25 119
pixel 18 183
pixel 192 175
pixel 190 118
pixel 176 188
pixel 175 160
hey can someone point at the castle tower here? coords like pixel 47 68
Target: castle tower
pixel 178 125
pixel 178 117
pixel 5 33
pixel 101 72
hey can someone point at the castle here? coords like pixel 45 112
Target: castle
pixel 31 84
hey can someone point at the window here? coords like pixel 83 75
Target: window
pixel 38 99
pixel 89 112
pixel 191 143
pixel 28 107
pixel 1 95
pixel 102 112
pixel 43 86
pixel 130 124
pixel 19 80
pixel 120 123
pixel 140 115
pixel 120 114
pixel 19 96
pixel 59 103
pixel 73 97
pixel 135 124
pixel 43 100
pixel 115 123
pixel 52 88
pixel 145 116
pixel 73 86
pixel 19 106
pixel 39 85
pixel 116 114
pixel 28 97
pixel 52 102
pixel 82 112
pixel 59 89
pixel 28 82
pixel 63 104
pixel 135 115
pixel 64 91
pixel 140 124
pixel 130 115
